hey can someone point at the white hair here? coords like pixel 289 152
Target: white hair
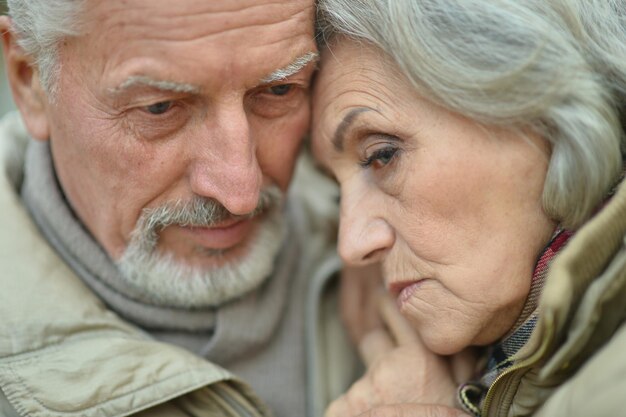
pixel 39 26
pixel 556 67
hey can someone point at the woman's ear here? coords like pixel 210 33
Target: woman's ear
pixel 23 77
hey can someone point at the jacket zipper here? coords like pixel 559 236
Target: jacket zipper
pixel 491 393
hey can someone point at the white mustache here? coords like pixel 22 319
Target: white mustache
pixel 197 212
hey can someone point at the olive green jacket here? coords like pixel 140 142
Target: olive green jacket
pixel 64 354
pixel 575 362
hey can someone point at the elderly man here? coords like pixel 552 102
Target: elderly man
pixel 147 239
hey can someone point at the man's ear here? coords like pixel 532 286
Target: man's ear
pixel 23 78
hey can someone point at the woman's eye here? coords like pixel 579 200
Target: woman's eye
pixel 281 89
pixel 380 157
pixel 159 108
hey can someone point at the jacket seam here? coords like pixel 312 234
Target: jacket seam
pixel 37 352
pixel 25 389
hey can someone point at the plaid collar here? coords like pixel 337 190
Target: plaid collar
pixel 500 356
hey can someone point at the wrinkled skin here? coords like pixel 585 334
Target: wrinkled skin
pixel 450 209
pixel 413 410
pixel 400 369
pixel 121 146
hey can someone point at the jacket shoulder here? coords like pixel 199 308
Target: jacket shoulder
pixel 597 389
pixel 63 353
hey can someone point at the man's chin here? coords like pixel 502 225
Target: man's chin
pixel 207 277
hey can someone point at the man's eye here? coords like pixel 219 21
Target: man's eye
pixel 159 108
pixel 281 89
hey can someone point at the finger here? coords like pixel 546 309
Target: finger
pixel 338 408
pixel 401 329
pixel 351 294
pixel 374 345
pixel 463 365
pixel 359 398
pixel 358 294
pixel 413 410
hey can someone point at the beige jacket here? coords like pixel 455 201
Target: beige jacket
pixel 62 353
pixel 575 363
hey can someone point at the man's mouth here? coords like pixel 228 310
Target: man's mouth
pixel 224 235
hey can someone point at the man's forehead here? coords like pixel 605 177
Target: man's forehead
pixel 176 43
pixel 214 6
pixel 184 15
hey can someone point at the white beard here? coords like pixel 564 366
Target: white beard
pixel 166 281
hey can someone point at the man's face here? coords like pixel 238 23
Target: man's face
pixel 161 101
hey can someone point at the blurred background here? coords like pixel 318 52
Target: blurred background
pixel 6 102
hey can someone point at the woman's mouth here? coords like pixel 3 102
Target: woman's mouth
pixel 402 291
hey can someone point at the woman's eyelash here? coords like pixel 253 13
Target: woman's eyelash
pixel 384 156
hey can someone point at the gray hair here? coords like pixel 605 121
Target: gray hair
pixel 39 26
pixel 554 67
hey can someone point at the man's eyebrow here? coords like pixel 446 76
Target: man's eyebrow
pixel 348 119
pixel 296 66
pixel 144 81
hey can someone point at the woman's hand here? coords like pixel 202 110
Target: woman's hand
pixel 413 410
pixel 360 290
pixel 400 369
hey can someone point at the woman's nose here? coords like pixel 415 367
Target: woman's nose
pixel 364 237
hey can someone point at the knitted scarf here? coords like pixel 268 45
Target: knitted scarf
pixel 255 346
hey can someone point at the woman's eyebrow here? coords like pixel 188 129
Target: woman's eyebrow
pixel 348 119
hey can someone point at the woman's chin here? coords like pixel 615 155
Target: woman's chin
pixel 441 340
pixel 445 347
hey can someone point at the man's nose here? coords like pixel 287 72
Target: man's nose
pixel 365 236
pixel 225 167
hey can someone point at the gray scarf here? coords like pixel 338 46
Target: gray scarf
pixel 222 334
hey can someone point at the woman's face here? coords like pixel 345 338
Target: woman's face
pixel 451 209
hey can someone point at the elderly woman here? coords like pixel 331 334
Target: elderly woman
pixel 477 144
